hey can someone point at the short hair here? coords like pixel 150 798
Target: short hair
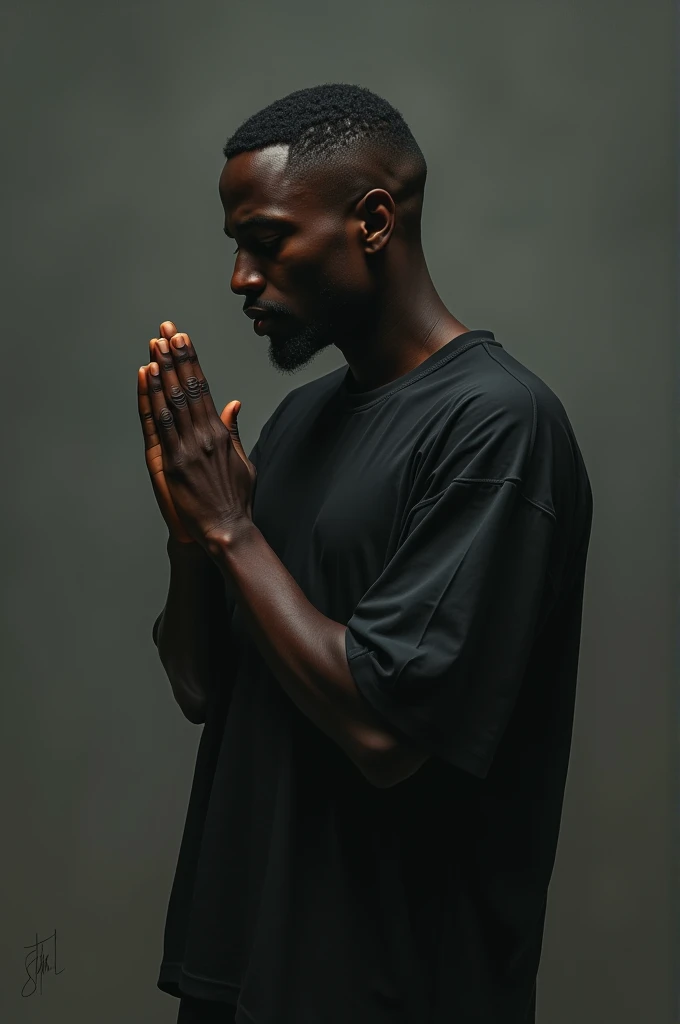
pixel 320 123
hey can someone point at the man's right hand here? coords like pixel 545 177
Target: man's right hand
pixel 152 444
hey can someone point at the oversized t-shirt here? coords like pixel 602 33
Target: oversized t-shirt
pixel 444 519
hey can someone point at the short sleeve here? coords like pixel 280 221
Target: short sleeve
pixel 440 643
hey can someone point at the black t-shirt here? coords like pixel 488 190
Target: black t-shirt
pixel 444 518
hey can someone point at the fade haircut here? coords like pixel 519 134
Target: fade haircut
pixel 325 126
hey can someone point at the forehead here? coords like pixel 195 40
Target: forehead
pixel 258 182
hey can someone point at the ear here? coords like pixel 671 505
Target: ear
pixel 378 212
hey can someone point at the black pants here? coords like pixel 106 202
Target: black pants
pixel 202 1011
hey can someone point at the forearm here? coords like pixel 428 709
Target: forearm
pixel 192 633
pixel 303 648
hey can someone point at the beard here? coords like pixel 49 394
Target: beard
pixel 290 350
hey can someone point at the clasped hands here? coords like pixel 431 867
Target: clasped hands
pixel 202 478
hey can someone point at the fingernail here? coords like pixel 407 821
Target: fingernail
pixel 163 345
pixel 178 342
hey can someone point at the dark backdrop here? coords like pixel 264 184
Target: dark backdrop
pixel 550 218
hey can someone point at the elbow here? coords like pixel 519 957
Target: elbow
pixel 192 707
pixel 191 704
pixel 394 765
pixel 195 719
pixel 377 766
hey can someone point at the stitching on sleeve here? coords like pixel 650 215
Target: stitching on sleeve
pixel 542 508
pixel 485 480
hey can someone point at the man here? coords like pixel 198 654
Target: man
pixel 382 639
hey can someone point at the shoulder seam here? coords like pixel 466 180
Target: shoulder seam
pixel 534 422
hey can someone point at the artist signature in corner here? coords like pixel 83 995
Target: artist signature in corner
pixel 37 962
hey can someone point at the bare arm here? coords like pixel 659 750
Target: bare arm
pixel 192 638
pixel 306 652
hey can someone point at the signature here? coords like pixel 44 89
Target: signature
pixel 38 961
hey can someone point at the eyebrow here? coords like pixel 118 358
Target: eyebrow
pixel 259 220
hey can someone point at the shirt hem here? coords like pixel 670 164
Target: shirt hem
pixel 175 981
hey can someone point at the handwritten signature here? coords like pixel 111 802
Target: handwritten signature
pixel 38 961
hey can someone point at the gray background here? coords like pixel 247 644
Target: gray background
pixel 550 218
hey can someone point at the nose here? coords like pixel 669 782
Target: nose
pixel 246 278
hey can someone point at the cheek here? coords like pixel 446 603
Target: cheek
pixel 343 270
pixel 324 269
pixel 314 273
pixel 304 265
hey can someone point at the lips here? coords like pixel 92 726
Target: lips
pixel 261 326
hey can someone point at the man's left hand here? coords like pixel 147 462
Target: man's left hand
pixel 210 484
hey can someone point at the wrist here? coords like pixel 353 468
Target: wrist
pixel 219 545
pixel 184 550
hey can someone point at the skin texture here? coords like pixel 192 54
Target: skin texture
pixel 152 446
pixel 343 272
pixel 342 265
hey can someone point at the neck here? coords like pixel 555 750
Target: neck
pixel 408 325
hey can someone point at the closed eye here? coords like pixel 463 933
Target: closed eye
pixel 269 246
